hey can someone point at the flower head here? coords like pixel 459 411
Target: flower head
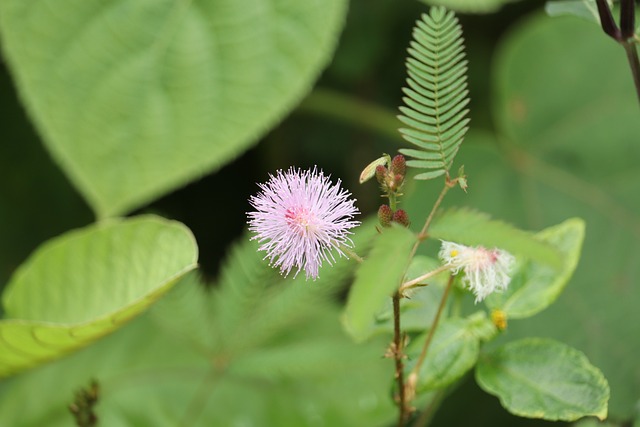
pixel 485 270
pixel 299 218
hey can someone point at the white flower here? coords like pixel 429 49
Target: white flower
pixel 485 270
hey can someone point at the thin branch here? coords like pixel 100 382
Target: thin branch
pixel 412 283
pixel 634 64
pixel 434 325
pixel 627 18
pixel 398 355
pixel 607 22
pixel 351 110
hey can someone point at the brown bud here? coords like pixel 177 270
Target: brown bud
pixel 400 216
pixel 385 215
pixel 399 165
pixel 381 174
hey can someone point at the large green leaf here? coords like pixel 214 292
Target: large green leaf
pixel 541 378
pixel 255 349
pixel 376 280
pixel 535 286
pixel 149 377
pixel 136 97
pixel 86 283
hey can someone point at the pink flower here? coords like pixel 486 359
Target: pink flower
pixel 485 270
pixel 300 216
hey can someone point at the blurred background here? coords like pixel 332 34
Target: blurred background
pixel 555 127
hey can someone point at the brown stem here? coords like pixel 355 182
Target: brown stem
pixel 398 355
pixel 634 63
pixel 434 325
pixel 423 233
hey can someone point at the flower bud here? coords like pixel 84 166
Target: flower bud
pixel 381 174
pixel 499 319
pixel 399 165
pixel 400 216
pixel 385 215
pixel 369 171
pixel 398 180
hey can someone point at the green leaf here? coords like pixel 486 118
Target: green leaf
pixel 474 228
pixel 542 378
pixel 470 6
pixel 452 353
pixel 86 283
pixel 578 156
pixel 135 98
pixel 535 286
pixel 254 348
pixel 437 96
pixel 586 9
pixel 376 280
pixel 148 377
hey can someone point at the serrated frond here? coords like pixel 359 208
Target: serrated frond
pixel 436 98
pixel 251 304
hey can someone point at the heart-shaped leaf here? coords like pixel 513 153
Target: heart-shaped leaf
pixel 136 97
pixel 86 283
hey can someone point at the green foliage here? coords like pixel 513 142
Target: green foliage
pixel 135 98
pixel 586 9
pixel 437 95
pixel 581 156
pixel 564 145
pixel 87 283
pixel 536 286
pixel 255 348
pixel 474 228
pixel 541 378
pixel 376 280
pixel 453 352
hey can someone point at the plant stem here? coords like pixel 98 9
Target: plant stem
pixel 436 205
pixel 398 355
pixel 434 325
pixel 393 201
pixel 634 63
pixel 411 283
pixel 351 110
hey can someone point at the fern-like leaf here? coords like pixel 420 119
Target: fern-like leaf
pixel 436 96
